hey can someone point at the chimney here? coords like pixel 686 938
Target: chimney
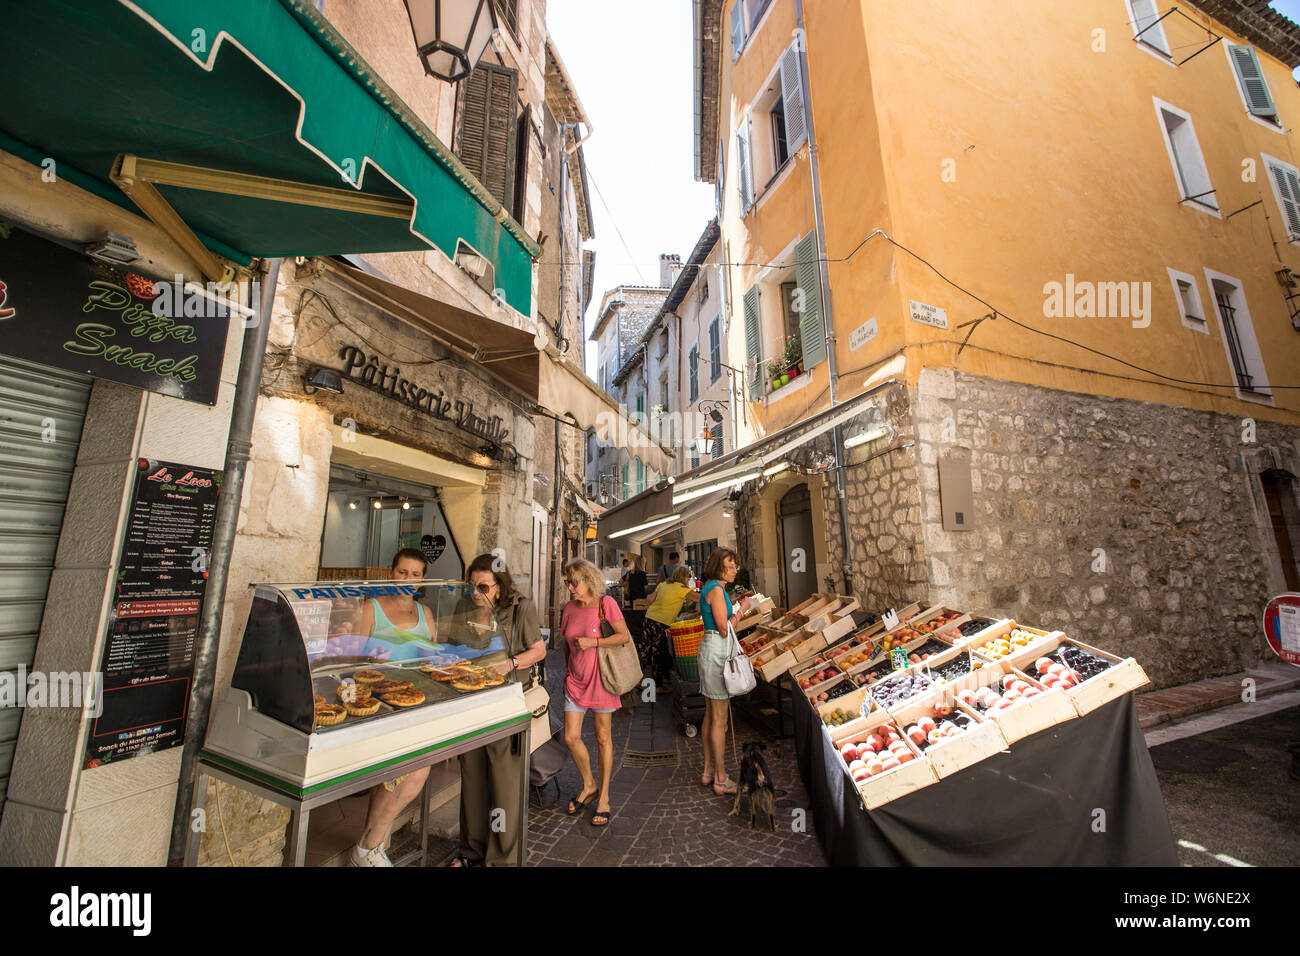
pixel 670 267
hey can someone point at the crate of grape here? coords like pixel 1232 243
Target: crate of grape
pixel 1007 638
pixel 952 735
pixel 972 630
pixel 1091 677
pixel 951 665
pixel 882 763
pixel 1016 702
pixel 900 687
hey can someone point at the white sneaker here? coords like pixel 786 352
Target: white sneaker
pixel 375 857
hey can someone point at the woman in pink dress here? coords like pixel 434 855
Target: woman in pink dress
pixel 583 690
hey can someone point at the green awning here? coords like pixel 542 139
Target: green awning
pixel 255 87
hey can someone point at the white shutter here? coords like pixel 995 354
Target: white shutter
pixel 1252 81
pixel 41 414
pixel 745 165
pixel 1145 13
pixel 796 123
pixel 737 29
pixel 1288 194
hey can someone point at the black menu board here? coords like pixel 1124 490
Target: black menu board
pixel 148 660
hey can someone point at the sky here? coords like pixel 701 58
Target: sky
pixel 635 76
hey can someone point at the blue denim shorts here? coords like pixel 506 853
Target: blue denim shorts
pixel 711 659
pixel 571 708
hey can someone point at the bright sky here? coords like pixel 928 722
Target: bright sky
pixel 635 76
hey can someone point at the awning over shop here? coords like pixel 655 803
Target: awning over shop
pixel 253 120
pixel 511 357
pixel 693 493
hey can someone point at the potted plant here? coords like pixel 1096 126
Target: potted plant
pixel 775 374
pixel 794 355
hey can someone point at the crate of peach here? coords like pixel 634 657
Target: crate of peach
pixel 1089 676
pixel 1007 638
pixel 1019 704
pixel 882 763
pixel 952 735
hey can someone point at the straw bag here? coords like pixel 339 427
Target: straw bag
pixel 620 666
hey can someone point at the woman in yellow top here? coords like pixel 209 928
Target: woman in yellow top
pixel 667 601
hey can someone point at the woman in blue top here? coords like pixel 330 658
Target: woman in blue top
pixel 717 611
pixel 400 628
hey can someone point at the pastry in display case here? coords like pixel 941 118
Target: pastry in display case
pixel 334 678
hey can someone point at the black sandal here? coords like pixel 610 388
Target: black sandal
pixel 576 806
pixel 607 814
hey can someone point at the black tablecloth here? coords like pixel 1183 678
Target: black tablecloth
pixel 1037 805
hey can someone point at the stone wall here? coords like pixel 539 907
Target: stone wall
pixel 1126 524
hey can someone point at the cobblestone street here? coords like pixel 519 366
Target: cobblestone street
pixel 663 816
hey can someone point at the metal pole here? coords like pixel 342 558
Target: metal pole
pixel 828 319
pixel 223 541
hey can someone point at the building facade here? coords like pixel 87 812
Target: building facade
pixel 1084 355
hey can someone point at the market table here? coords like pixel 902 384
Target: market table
pixel 1081 793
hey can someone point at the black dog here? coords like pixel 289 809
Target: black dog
pixel 756 782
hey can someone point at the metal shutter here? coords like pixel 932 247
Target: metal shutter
pixel 41 413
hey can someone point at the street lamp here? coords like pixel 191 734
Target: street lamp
pixel 451 35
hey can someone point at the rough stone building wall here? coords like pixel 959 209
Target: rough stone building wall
pixel 1125 524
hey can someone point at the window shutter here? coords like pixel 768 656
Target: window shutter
pixel 717 451
pixel 737 29
pixel 1252 81
pixel 523 139
pixel 1146 13
pixel 753 345
pixel 695 372
pixel 486 141
pixel 796 123
pixel 745 165
pixel 812 334
pixel 1288 192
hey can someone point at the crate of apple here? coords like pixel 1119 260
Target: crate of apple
pixel 809 682
pixel 935 623
pixel 882 750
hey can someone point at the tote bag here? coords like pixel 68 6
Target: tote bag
pixel 620 666
pixel 737 671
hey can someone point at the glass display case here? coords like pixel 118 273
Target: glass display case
pixel 333 678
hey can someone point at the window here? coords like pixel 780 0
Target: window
pixel 704 285
pixel 1185 155
pixel 774 128
pixel 789 295
pixel 640 476
pixel 1286 190
pixel 1244 357
pixel 745 16
pixel 780 148
pixel 694 363
pixel 715 351
pixel 625 494
pixel 1251 83
pixel 1188 298
pixel 508 15
pixel 1147 26
pixel 487 129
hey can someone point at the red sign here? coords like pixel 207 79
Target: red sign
pixel 1282 627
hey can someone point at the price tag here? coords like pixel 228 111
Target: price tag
pixel 890 618
pixel 898 657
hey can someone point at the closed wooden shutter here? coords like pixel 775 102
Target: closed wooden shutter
pixel 753 345
pixel 485 141
pixel 41 414
pixel 737 29
pixel 1252 81
pixel 745 165
pixel 1288 194
pixel 796 123
pixel 812 332
pixel 523 139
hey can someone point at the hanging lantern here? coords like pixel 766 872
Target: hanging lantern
pixel 451 35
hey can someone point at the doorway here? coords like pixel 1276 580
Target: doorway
pixel 798 555
pixel 1278 494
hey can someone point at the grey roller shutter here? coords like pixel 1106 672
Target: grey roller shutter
pixel 1251 77
pixel 796 122
pixel 812 332
pixel 41 414
pixel 753 345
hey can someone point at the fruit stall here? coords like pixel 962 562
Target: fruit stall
pixel 952 739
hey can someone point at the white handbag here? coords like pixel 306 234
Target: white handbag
pixel 737 671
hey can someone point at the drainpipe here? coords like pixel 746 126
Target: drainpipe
pixel 223 541
pixel 828 320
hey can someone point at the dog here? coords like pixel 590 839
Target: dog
pixel 756 782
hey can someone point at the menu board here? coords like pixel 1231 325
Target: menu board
pixel 148 660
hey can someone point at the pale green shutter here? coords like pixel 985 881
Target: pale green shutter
pixel 1252 81
pixel 1288 194
pixel 753 345
pixel 812 332
pixel 796 124
pixel 744 166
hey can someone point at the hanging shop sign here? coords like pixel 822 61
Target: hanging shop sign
pixel 148 661
pixel 376 373
pixel 63 309
pixel 1282 627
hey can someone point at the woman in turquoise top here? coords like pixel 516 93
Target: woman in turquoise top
pixel 717 611
pixel 400 628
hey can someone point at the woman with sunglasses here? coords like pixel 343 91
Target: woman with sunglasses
pixel 583 689
pixel 489 776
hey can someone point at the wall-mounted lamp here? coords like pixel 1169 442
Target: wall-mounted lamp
pixel 323 380
pixel 352 505
pixel 880 431
pixel 406 505
pixel 451 35
pixel 377 504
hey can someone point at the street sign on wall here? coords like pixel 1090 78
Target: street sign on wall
pixel 1282 627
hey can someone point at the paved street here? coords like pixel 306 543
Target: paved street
pixel 662 815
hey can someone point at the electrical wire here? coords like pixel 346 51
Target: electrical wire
pixel 613 222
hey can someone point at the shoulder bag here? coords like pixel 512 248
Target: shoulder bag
pixel 620 666
pixel 737 671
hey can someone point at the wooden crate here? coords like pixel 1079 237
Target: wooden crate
pixel 1006 626
pixel 852 702
pixel 827 627
pixel 982 740
pixel 1049 708
pixel 1124 676
pixel 876 791
pixel 756 615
